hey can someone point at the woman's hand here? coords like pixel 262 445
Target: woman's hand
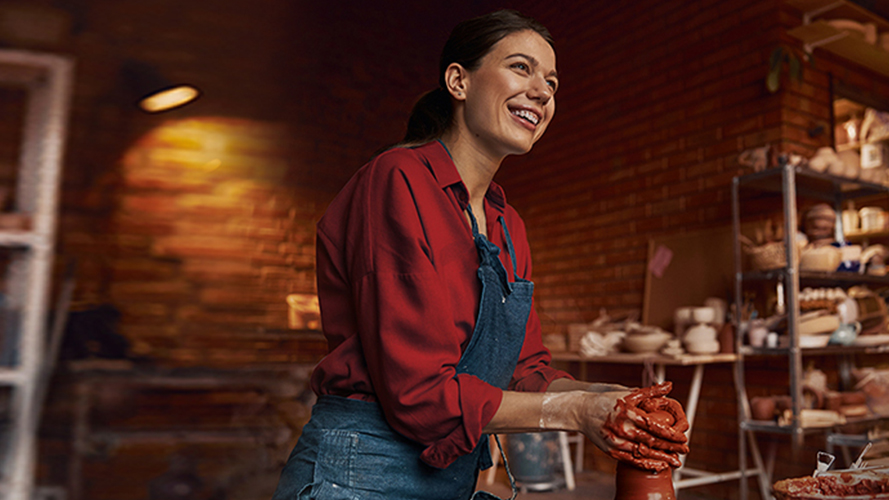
pixel 628 426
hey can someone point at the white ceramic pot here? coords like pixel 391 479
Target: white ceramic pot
pixel 703 314
pixel 700 333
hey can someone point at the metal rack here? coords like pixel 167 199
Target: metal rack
pixel 46 81
pixel 790 182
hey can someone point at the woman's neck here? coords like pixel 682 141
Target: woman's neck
pixel 476 168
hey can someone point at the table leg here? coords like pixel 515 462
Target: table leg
pixel 691 408
pixel 79 439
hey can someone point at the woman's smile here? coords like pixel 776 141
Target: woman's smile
pixel 510 97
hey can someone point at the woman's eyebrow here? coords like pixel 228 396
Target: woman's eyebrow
pixel 534 62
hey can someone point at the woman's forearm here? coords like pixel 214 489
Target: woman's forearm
pixel 534 411
pixel 565 406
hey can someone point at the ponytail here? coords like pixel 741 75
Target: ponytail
pixel 430 118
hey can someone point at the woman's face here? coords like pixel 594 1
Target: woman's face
pixel 509 98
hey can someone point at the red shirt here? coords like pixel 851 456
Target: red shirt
pixel 399 296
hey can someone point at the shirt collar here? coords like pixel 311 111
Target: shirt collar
pixel 438 160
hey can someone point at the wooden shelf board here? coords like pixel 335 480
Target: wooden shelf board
pixel 842 10
pixel 848 47
pixel 864 235
pixel 657 359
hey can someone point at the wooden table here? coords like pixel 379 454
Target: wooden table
pixel 659 364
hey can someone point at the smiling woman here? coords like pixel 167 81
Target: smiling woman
pixel 426 300
pixel 505 105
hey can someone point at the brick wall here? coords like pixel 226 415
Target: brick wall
pixel 197 223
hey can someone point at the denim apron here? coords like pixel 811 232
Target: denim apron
pixel 347 451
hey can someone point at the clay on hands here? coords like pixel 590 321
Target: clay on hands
pixel 646 429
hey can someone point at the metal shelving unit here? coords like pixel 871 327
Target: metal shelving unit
pixel 27 255
pixel 790 182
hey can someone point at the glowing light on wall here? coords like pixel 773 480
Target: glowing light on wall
pixel 153 92
pixel 170 98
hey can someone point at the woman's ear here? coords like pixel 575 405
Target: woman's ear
pixel 456 79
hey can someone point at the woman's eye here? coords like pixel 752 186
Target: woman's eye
pixel 553 84
pixel 520 65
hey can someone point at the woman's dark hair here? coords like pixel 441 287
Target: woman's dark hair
pixel 470 41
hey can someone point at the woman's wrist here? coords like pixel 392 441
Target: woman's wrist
pixel 562 410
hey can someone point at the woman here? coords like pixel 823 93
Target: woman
pixel 425 300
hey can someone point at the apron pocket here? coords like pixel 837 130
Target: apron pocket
pixel 350 465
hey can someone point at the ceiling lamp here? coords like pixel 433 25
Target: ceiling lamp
pixel 153 92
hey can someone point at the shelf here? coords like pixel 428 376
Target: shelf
pixel 861 236
pixel 840 9
pixel 814 351
pixel 813 184
pixel 773 427
pixel 820 34
pixel 653 358
pixel 18 239
pixel 818 279
pixel 10 376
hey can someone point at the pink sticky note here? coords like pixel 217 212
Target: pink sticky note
pixel 660 260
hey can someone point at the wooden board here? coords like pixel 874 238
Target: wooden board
pixel 701 266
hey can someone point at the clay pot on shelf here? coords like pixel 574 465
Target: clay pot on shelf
pixel 727 339
pixel 762 408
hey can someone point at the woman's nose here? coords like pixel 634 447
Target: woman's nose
pixel 540 89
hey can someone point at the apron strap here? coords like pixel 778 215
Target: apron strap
pixel 509 246
pixel 475 232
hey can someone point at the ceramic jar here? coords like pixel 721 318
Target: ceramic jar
pixel 701 339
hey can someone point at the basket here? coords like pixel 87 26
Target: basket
pixel 766 257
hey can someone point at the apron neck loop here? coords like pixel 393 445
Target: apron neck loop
pixel 475 232
pixel 509 245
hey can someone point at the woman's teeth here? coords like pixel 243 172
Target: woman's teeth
pixel 527 115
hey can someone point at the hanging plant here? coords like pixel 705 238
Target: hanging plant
pixel 785 58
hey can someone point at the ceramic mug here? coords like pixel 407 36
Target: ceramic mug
pixel 845 334
pixel 757 333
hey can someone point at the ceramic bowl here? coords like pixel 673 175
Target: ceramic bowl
pixel 682 315
pixel 646 342
pixel 703 314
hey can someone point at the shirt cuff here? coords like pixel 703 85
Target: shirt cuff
pixel 479 402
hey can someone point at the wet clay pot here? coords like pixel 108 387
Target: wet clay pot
pixel 632 483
